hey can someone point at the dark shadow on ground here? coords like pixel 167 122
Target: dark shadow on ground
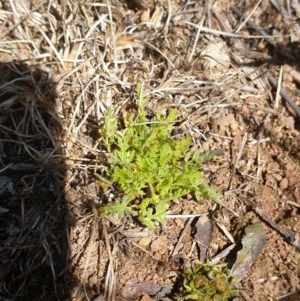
pixel 33 211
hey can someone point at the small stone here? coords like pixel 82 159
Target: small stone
pixel 145 16
pixel 284 183
pixel 278 177
pixel 159 245
pixel 215 55
pixel 179 222
pixel 144 242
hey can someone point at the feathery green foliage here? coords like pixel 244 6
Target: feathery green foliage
pixel 206 283
pixel 148 166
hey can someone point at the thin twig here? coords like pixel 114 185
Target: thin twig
pixel 249 16
pixel 250 23
pixel 191 55
pixel 110 285
pixel 167 24
pixel 287 235
pixel 188 223
pixel 278 88
pixel 284 94
pixel 237 159
pixel 233 35
pixel 216 259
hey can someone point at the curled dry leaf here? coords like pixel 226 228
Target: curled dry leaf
pixel 125 41
pixel 203 236
pixel 253 243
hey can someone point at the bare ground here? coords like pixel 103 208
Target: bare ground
pixel 63 63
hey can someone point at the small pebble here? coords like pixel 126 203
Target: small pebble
pixel 159 245
pixel 284 183
pixel 144 242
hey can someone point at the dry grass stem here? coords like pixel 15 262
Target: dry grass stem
pixel 276 105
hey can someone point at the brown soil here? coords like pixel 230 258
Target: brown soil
pixel 63 63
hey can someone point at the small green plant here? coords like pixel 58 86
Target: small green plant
pixel 147 166
pixel 206 283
